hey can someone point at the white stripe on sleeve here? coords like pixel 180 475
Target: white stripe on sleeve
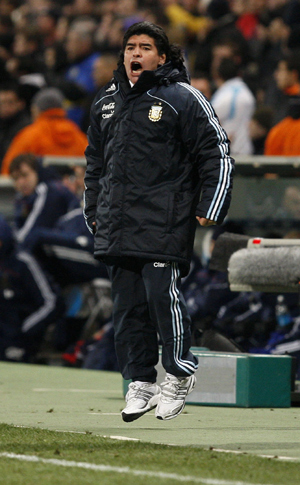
pixel 39 203
pixel 225 161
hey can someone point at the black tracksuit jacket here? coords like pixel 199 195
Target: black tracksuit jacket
pixel 157 157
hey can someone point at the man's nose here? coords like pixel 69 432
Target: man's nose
pixel 137 52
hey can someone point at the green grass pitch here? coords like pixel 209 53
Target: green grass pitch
pixel 63 426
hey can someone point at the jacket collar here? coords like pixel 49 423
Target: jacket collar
pixel 164 75
pixel 53 113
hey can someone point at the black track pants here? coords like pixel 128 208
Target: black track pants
pixel 147 301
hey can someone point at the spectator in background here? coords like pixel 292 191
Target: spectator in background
pixel 30 76
pixel 13 115
pixel 80 8
pixel 81 56
pixel 128 12
pixel 55 58
pixel 103 69
pixel 234 104
pixel 223 40
pixel 65 251
pixel 224 48
pixel 47 19
pixel 259 127
pixel 26 63
pixel 185 20
pixel 28 42
pixel 51 132
pixel 102 73
pixel 28 302
pixel 202 83
pixel 66 175
pixel 39 203
pixel 287 80
pixel 109 34
pixel 66 248
pixel 6 35
pixel 287 74
pixel 284 138
pixel 259 33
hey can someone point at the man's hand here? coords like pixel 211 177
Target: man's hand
pixel 205 222
pixel 94 227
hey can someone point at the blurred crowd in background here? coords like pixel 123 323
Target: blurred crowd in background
pixel 243 55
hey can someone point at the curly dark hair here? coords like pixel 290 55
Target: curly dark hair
pixel 173 51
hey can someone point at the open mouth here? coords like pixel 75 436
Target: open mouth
pixel 136 66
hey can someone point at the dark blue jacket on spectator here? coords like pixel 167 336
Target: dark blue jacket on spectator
pixel 43 208
pixel 67 250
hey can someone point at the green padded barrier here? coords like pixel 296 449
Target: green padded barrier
pixel 240 380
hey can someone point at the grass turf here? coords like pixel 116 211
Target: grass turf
pixel 215 468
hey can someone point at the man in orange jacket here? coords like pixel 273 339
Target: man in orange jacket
pixel 284 138
pixel 51 132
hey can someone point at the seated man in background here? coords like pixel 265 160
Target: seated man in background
pixel 62 242
pixel 49 223
pixel 28 302
pixel 66 250
pixel 66 253
pixel 38 203
pixel 51 132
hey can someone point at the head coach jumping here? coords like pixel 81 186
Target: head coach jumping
pixel 157 161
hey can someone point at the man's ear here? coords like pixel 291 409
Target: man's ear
pixel 162 60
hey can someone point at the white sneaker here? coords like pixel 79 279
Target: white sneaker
pixel 173 394
pixel 141 398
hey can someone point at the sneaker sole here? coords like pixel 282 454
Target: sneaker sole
pixel 190 388
pixel 129 417
pixel 172 415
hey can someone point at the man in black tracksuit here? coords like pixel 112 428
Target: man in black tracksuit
pixel 157 160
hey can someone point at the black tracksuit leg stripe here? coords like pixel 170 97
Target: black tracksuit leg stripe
pixel 147 300
pixel 187 366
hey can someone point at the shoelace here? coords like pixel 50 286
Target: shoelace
pixel 173 390
pixel 139 392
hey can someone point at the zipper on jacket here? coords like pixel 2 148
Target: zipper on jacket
pixel 129 118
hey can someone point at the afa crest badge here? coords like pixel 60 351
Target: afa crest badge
pixel 155 112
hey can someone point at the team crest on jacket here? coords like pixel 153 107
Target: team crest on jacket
pixel 155 112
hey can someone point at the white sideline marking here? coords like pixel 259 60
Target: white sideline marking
pixel 121 438
pixel 217 450
pixel 115 469
pixel 275 457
